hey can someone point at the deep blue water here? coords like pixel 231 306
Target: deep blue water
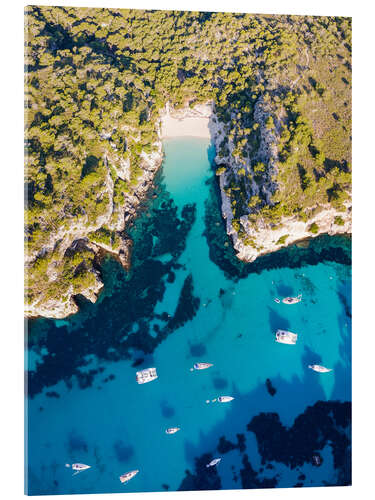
pixel 187 299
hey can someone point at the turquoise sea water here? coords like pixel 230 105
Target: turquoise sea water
pixel 180 304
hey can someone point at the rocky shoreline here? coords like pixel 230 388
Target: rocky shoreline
pixel 264 238
pixel 78 235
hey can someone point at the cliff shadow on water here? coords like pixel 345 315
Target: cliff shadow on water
pixel 119 325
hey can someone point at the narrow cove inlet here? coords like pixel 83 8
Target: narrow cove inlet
pixel 187 299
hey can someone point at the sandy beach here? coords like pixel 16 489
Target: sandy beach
pixel 193 123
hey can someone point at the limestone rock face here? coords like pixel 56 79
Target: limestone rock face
pixel 77 236
pixel 264 238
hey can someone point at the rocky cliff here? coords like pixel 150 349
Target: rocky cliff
pixel 116 219
pixel 257 236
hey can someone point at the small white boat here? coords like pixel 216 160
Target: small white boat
pixel 225 399
pixel 320 368
pixel 172 430
pixel 285 337
pixel 202 366
pixel 79 467
pixel 147 375
pixel 128 475
pixel 214 462
pixel 277 300
pixel 292 300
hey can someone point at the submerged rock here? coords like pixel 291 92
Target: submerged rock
pixel 270 388
pixel 323 423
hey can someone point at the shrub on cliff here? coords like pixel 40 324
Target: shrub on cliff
pixel 313 228
pixel 339 221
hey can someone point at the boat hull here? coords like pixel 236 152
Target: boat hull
pixel 80 467
pixel 320 369
pixel 285 337
pixel 214 462
pixel 292 300
pixel 172 430
pixel 128 476
pixel 147 375
pixel 202 366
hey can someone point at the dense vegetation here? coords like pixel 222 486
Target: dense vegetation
pixel 96 80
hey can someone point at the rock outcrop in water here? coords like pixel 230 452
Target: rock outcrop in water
pixel 326 422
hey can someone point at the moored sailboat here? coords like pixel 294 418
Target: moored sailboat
pixel 202 366
pixel 292 300
pixel 172 430
pixel 213 462
pixel 128 476
pixel 320 368
pixel 77 467
pixel 225 399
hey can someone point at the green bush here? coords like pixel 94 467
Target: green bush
pixel 282 239
pixel 236 225
pixel 313 228
pixel 339 221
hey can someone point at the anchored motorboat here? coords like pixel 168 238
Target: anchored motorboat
pixel 202 366
pixel 225 399
pixel 172 430
pixel 285 337
pixel 213 462
pixel 78 467
pixel 128 475
pixel 292 300
pixel 320 368
pixel 147 375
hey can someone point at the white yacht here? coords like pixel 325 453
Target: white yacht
pixel 147 375
pixel 285 337
pixel 320 368
pixel 128 475
pixel 172 430
pixel 292 300
pixel 213 462
pixel 79 467
pixel 202 366
pixel 225 399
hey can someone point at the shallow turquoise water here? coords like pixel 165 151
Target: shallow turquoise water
pixel 116 425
